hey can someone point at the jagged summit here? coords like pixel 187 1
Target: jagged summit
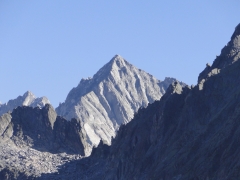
pixel 115 64
pixel 28 94
pixel 118 60
pixel 109 99
pixel 27 99
pixel 117 57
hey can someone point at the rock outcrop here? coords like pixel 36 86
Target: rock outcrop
pixel 28 99
pixel 109 99
pixel 229 55
pixel 191 133
pixel 35 141
pixel 41 129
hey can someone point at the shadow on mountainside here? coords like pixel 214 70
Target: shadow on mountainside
pixel 191 133
pixel 43 130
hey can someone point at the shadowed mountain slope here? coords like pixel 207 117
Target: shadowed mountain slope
pixel 41 129
pixel 191 133
pixel 35 141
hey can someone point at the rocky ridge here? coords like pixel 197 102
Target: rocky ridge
pixel 191 133
pixel 229 55
pixel 35 141
pixel 28 99
pixel 103 103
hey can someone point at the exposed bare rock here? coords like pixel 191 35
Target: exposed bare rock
pixel 35 141
pixel 191 133
pixel 229 55
pixel 4 122
pixel 109 99
pixel 28 99
pixel 43 130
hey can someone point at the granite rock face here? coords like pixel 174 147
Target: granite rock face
pixel 109 99
pixel 28 99
pixel 191 133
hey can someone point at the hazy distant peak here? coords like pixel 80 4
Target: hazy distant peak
pixel 28 93
pixel 170 80
pixel 27 99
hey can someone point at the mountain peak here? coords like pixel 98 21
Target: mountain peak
pixel 27 99
pixel 28 93
pixel 118 60
pixel 108 100
pixel 116 57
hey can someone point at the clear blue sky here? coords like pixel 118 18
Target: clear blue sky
pixel 48 46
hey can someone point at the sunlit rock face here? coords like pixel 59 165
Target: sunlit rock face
pixel 191 133
pixel 109 99
pixel 35 142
